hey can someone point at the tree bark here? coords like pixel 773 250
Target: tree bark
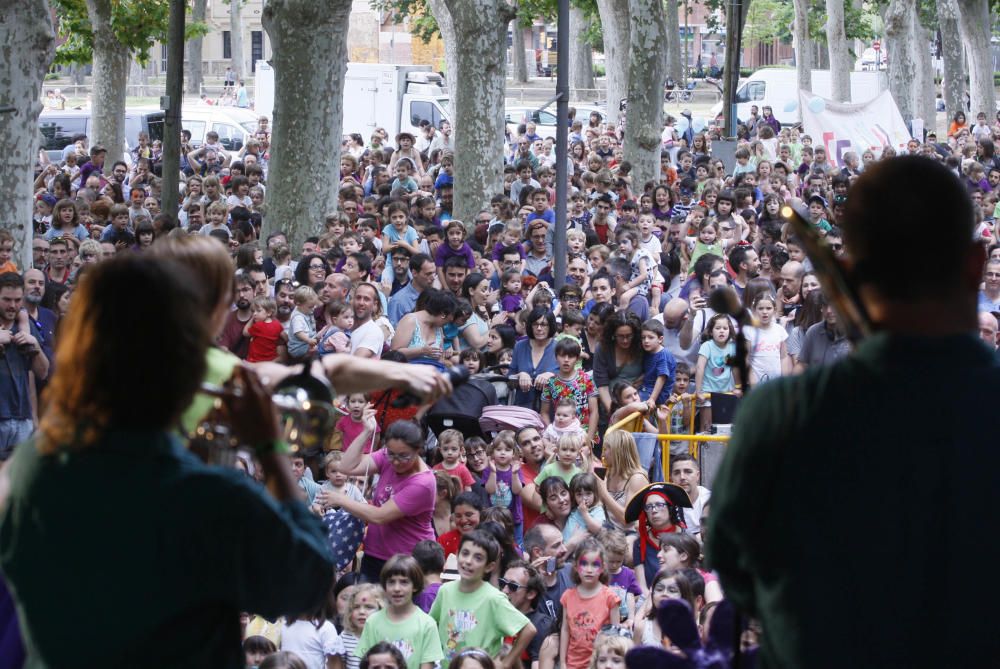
pixel 899 19
pixel 309 41
pixel 518 59
pixel 481 34
pixel 675 69
pixel 581 53
pixel 111 61
pixel 974 24
pixel 77 74
pixel 451 60
pixel 952 55
pixel 923 86
pixel 27 43
pixel 615 24
pixel 840 56
pixel 647 72
pixel 195 77
pixel 803 46
pixel 236 38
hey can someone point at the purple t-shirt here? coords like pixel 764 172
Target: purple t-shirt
pixel 511 303
pixel 504 496
pixel 427 596
pixel 444 251
pixel 414 495
pixel 624 582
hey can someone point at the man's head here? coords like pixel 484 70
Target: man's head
pixel 284 297
pixel 675 313
pixel 58 253
pixel 881 213
pixel 39 252
pixel 744 260
pixel 455 271
pixel 34 287
pixel 545 540
pixel 685 472
pixel 364 302
pixel 243 291
pixel 335 287
pixel 11 295
pixel 523 586
pixel 423 270
pixel 988 329
pixel 791 278
pixel 529 439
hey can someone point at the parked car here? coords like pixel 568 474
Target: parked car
pixel 58 127
pixel 544 119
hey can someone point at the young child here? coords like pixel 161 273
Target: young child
pixel 398 234
pixel 587 607
pixel 680 408
pixel 310 487
pixel 511 300
pixel 450 444
pixel 336 482
pixel 365 600
pixel 302 326
pixel 456 247
pixel 472 359
pixel 706 242
pixel 402 623
pixel 403 180
pixel 667 584
pixel 587 517
pixel 264 330
pixel 504 479
pixel 642 264
pixel 350 426
pixel 430 557
pixel 625 400
pixel 621 579
pixel 714 375
pixel 471 613
pixel 312 638
pixel 610 650
pixel 571 382
pixel 216 214
pixel 767 343
pixel 336 337
pixel 565 422
pixel 564 465
pixel 658 365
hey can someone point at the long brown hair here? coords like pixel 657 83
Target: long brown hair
pixel 108 355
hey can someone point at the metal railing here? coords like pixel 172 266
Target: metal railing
pixel 634 423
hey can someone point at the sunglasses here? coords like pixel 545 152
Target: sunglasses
pixel 504 583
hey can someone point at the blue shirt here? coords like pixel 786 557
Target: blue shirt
pixel 655 365
pixel 521 362
pixel 402 303
pixel 15 400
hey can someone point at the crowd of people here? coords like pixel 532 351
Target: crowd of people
pixel 542 546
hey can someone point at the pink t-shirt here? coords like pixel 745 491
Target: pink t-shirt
pixel 351 429
pixel 414 495
pixel 585 618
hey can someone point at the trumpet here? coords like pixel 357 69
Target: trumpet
pixel 306 416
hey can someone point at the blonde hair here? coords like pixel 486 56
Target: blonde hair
pixel 304 295
pixel 614 541
pixel 621 456
pixel 378 594
pixel 609 642
pixel 576 234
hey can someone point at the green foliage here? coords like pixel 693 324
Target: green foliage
pixel 423 25
pixel 768 20
pixel 136 24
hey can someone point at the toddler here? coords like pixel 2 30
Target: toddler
pixel 336 482
pixel 264 330
pixel 336 337
pixel 302 326
pixel 565 422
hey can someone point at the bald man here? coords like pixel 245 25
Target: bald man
pixel 675 315
pixel 791 287
pixel 988 329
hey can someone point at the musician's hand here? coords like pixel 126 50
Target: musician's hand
pixel 426 382
pixel 252 414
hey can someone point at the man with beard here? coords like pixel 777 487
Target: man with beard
pixel 22 354
pixel 529 439
pixel 367 338
pixel 400 271
pixel 232 337
pixel 42 318
pixel 524 588
pixel 259 280
pixel 789 295
pixel 824 342
pixel 743 260
pixel 284 298
pixel 455 271
pixel 423 271
pixel 336 287
pixel 547 553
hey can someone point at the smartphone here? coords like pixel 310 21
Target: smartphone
pixel 600 472
pixel 550 565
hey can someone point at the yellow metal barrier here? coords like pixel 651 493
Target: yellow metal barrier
pixel 634 423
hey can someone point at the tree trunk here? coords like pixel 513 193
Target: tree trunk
pixel 451 60
pixel 481 33
pixel 195 77
pixel 953 54
pixel 77 74
pixel 647 72
pixel 309 47
pixel 518 59
pixel 803 46
pixel 899 20
pixel 615 24
pixel 840 56
pixel 673 35
pixel 111 61
pixel 974 23
pixel 923 86
pixel 27 44
pixel 236 37
pixel 581 55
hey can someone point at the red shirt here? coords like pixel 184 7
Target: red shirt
pixel 264 338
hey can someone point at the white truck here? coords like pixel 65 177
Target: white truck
pixel 778 88
pixel 394 97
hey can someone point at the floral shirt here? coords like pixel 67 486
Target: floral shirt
pixel 580 388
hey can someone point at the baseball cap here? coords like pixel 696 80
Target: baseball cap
pixel 817 198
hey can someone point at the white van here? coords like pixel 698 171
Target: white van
pixel 234 125
pixel 778 89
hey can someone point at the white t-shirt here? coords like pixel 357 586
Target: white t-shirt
pixel 310 643
pixel 692 516
pixel 369 336
pixel 765 351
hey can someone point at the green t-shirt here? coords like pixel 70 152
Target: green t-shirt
pixel 479 619
pixel 219 367
pixel 416 637
pixel 554 469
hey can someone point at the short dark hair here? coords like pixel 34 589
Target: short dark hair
pixel 406 566
pixel 429 555
pixel 568 346
pixel 11 280
pixel 417 261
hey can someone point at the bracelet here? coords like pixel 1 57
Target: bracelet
pixel 274 446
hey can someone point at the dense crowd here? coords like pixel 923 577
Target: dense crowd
pixel 542 546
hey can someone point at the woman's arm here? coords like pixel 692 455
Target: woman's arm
pixel 355 461
pixel 786 361
pixel 401 340
pixel 379 515
pixel 592 421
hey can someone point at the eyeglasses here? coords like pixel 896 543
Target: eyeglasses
pixel 655 506
pixel 286 282
pixel 399 457
pixel 504 583
pixel 623 337
pixel 317 266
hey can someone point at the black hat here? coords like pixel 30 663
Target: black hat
pixel 675 495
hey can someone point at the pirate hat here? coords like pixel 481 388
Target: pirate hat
pixel 675 495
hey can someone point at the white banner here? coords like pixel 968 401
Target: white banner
pixel 842 127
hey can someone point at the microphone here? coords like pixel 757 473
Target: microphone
pixel 457 375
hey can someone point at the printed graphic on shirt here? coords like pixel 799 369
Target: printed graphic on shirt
pixel 460 623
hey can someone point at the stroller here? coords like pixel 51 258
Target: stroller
pixel 473 410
